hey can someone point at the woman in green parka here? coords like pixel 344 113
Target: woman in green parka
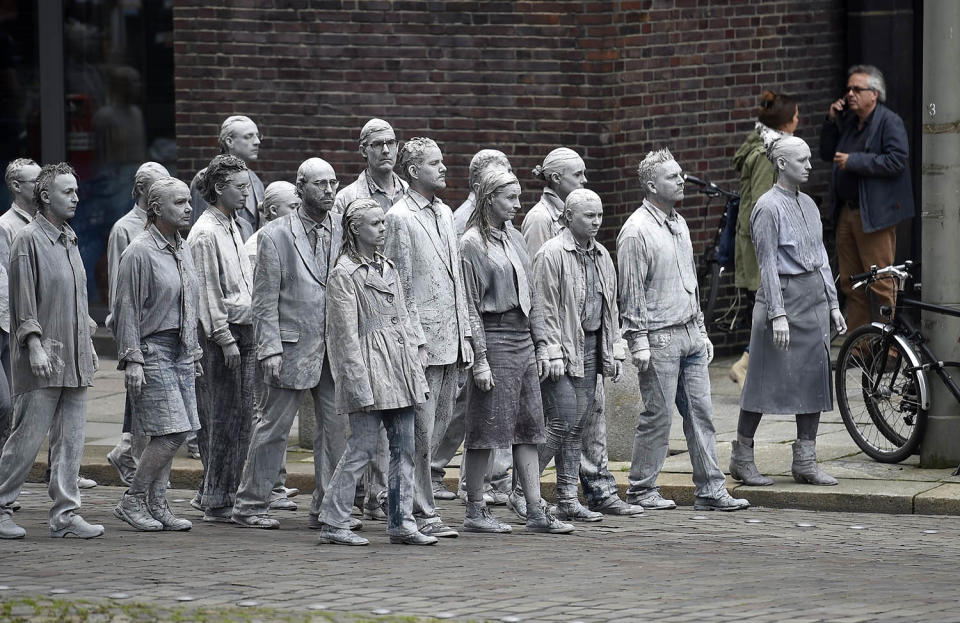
pixel 778 114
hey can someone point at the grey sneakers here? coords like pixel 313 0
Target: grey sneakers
pixel 9 528
pixel 652 500
pixel 133 510
pixel 160 510
pixel 723 502
pixel 342 536
pixel 79 528
pixel 573 510
pixel 478 518
pixel 543 521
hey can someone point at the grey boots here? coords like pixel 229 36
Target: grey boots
pixel 742 467
pixel 805 468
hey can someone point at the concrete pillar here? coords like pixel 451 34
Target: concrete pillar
pixel 940 212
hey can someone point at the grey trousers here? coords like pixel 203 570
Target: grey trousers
pixel 276 410
pixel 677 375
pixel 6 406
pixel 225 404
pixel 61 412
pixel 365 430
pixel 436 412
pixel 598 484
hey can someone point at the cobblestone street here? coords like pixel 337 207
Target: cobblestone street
pixel 678 565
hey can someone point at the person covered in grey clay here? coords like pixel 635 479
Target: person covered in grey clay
pixel 378 148
pixel 295 256
pixel 20 176
pixel 497 480
pixel 379 376
pixel 504 408
pixel 422 244
pixel 563 171
pixel 52 356
pixel 789 367
pixel 225 392
pixel 155 323
pixel 663 326
pixel 240 137
pixel 378 180
pixel 124 456
pixel 577 282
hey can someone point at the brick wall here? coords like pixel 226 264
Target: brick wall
pixel 610 79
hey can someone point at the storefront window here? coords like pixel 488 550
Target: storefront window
pixel 19 86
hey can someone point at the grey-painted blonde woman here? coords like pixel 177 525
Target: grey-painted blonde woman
pixel 155 322
pixel 378 374
pixel 789 369
pixel 504 408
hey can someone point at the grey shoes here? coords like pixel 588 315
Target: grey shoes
pixel 256 521
pixel 573 510
pixel 478 518
pixel 223 514
pixel 9 528
pixel 121 461
pixel 282 504
pixel 742 466
pixel 544 522
pixel 86 483
pixel 133 510
pixel 652 500
pixel 414 538
pixel 160 510
pixel 440 492
pixel 617 507
pixel 518 504
pixel 438 530
pixel 314 523
pixel 723 502
pixel 342 536
pixel 805 468
pixel 79 528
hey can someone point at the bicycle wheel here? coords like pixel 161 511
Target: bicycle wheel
pixel 877 393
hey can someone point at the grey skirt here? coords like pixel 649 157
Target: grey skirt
pixel 512 412
pixel 796 380
pixel 168 399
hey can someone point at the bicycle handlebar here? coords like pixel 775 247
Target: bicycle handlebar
pixel 900 271
pixel 708 188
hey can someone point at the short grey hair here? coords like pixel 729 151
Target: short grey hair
pixel 158 190
pixel 145 176
pixel 412 154
pixel 875 79
pixel 14 169
pixel 647 169
pixel 481 160
pixel 228 129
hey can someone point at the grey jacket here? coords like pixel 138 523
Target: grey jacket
pixel 430 273
pixel 559 280
pixel 374 359
pixel 289 299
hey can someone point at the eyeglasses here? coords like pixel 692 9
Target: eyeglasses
pixel 331 184
pixel 33 181
pixel 242 187
pixel 390 143
pixel 858 90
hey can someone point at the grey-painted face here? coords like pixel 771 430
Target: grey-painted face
pixel 380 150
pixel 319 187
pixel 584 218
pixel 432 174
pixel 22 185
pixel 245 141
pixel 234 191
pixel 505 203
pixel 574 176
pixel 794 165
pixel 370 230
pixel 668 182
pixel 175 208
pixel 62 198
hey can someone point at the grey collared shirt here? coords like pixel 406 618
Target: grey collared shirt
pixel 48 298
pixel 658 277
pixel 788 235
pixel 543 221
pixel 11 222
pixel 157 290
pixel 224 273
pixel 365 187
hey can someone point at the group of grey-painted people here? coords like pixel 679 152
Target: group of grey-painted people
pixel 414 327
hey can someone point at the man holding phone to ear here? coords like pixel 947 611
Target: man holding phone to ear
pixel 872 193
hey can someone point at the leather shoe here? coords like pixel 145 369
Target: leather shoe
pixel 723 502
pixel 340 536
pixel 414 538
pixel 256 521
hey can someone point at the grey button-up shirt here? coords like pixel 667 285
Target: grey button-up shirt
pixel 122 233
pixel 462 214
pixel 156 290
pixel 365 187
pixel 493 280
pixel 224 273
pixel 11 222
pixel 48 298
pixel 788 235
pixel 543 221
pixel 248 217
pixel 658 277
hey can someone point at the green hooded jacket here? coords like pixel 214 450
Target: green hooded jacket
pixel 756 178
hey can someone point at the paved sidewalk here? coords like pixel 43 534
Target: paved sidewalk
pixel 669 565
pixel 865 485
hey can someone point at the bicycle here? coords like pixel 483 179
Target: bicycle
pixel 883 390
pixel 717 260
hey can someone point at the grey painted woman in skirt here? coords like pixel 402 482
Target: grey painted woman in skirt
pixel 504 407
pixel 789 368
pixel 155 322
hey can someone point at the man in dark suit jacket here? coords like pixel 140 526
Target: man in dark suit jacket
pixel 872 193
pixel 295 254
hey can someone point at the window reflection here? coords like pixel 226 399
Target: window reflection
pixel 19 87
